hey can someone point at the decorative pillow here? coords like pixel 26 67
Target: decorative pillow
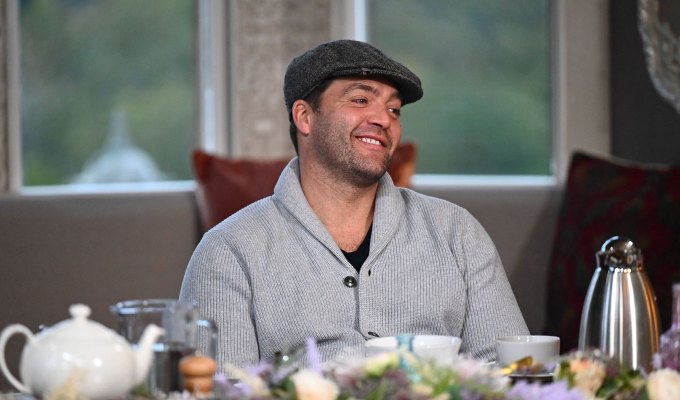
pixel 403 164
pixel 225 185
pixel 605 198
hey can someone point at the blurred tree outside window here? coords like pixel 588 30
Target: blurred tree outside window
pixel 108 86
pixel 486 72
pixel 107 90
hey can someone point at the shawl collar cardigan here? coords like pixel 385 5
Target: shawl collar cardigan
pixel 271 276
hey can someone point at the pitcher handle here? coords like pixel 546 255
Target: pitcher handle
pixel 4 337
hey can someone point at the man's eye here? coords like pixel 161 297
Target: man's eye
pixel 395 111
pixel 360 101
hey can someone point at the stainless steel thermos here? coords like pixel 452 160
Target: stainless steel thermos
pixel 620 315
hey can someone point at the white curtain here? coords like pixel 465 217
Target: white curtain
pixel 4 131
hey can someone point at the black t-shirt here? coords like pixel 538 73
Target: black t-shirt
pixel 358 256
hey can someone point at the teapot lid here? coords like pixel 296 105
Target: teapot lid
pixel 80 327
pixel 619 252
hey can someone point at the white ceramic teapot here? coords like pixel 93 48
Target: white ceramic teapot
pixel 82 354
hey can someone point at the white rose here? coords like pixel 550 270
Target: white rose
pixel 379 363
pixel 257 386
pixel 422 391
pixel 663 384
pixel 588 375
pixel 310 385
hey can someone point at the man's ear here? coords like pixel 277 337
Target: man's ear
pixel 302 114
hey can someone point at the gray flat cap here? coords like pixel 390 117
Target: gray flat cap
pixel 346 58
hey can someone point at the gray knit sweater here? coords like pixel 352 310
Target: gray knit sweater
pixel 271 276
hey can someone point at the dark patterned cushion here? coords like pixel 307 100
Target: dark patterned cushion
pixel 605 198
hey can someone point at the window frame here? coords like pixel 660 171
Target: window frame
pixel 580 93
pixel 14 130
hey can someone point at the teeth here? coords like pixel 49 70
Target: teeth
pixel 369 140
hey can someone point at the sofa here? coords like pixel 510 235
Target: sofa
pixel 56 250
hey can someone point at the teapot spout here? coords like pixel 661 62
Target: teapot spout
pixel 144 353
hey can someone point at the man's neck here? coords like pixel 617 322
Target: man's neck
pixel 345 209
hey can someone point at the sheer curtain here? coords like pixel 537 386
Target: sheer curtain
pixel 264 36
pixel 4 131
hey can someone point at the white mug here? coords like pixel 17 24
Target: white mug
pixel 440 349
pixel 540 348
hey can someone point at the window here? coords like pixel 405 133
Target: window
pixel 164 125
pixel 106 90
pixel 486 70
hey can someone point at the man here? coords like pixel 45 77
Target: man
pixel 338 253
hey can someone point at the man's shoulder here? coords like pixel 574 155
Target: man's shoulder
pixel 437 212
pixel 416 201
pixel 256 216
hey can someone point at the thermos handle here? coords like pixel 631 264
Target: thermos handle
pixel 6 334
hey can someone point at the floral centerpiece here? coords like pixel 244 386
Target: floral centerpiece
pixel 400 375
pixel 597 376
pixel 579 375
pixel 375 378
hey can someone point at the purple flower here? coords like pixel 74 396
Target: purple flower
pixel 282 373
pixel 313 356
pixel 534 391
pixel 226 389
pixel 259 369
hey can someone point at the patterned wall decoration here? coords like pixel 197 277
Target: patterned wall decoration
pixel 266 35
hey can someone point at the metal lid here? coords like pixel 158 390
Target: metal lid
pixel 619 252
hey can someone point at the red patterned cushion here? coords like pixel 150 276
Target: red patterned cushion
pixel 605 198
pixel 225 185
pixel 403 164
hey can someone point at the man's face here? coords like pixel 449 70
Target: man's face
pixel 356 129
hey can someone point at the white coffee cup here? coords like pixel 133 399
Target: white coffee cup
pixel 540 348
pixel 441 349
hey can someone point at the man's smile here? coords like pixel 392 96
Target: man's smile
pixel 370 141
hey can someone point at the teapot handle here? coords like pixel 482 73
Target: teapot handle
pixel 4 337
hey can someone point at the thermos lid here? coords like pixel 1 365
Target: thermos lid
pixel 619 252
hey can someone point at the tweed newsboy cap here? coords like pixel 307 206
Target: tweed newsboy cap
pixel 346 58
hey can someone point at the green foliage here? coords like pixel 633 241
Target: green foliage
pixel 485 67
pixel 83 59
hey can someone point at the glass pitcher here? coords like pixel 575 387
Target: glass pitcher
pixel 181 324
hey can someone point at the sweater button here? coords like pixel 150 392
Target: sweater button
pixel 350 281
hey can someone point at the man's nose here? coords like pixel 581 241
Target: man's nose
pixel 380 116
